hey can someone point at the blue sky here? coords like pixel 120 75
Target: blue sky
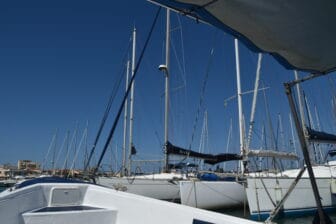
pixel 59 61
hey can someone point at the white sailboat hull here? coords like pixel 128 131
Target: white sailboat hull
pixel 300 201
pixel 81 203
pixel 163 187
pixel 212 194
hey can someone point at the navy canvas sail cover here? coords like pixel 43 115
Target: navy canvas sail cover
pixel 299 34
pixel 208 158
pixel 319 136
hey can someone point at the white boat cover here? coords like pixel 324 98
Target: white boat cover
pixel 299 34
pixel 272 153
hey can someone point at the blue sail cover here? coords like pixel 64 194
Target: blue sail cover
pixel 299 34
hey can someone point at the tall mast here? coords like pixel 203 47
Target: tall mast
pixel 228 141
pixel 54 151
pixel 293 139
pixel 131 106
pixel 204 138
pixel 254 101
pixel 240 109
pixel 299 93
pixel 281 132
pixel 45 160
pixel 123 168
pixel 166 68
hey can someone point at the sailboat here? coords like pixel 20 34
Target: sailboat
pixel 227 190
pixel 283 193
pixel 57 200
pixel 158 185
pixel 276 28
pixel 293 195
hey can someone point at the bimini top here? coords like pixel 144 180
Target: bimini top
pixel 299 34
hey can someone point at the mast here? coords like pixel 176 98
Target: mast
pixel 293 139
pixel 83 139
pixel 123 168
pixel 165 69
pixel 204 137
pixel 282 136
pixel 86 144
pixel 131 107
pixel 228 141
pixel 45 160
pixel 54 152
pixel 299 93
pixel 240 110
pixel 254 102
pixel 116 156
pixel 316 148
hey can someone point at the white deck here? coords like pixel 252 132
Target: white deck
pixel 69 203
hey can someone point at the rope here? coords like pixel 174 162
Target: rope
pixel 107 110
pixel 126 94
pixel 202 95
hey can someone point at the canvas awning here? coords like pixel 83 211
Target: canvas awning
pixel 299 34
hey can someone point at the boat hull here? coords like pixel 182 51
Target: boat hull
pixel 301 200
pixel 163 189
pixel 212 194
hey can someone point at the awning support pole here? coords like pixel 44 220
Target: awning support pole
pixel 299 129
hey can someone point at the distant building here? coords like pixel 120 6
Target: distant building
pixel 28 165
pixel 8 166
pixel 4 173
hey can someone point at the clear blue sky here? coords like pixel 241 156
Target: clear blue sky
pixel 59 61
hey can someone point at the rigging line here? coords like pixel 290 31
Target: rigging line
pixel 108 108
pixel 59 152
pixel 257 134
pixel 274 142
pixel 178 62
pixel 142 100
pixel 178 110
pixel 277 134
pixel 205 80
pixel 274 139
pixel 126 94
pixel 145 110
pixel 69 147
pixel 317 117
pixel 183 61
pixel 52 143
pixel 77 151
pixel 182 48
pixel 86 144
pixel 311 124
pixel 183 78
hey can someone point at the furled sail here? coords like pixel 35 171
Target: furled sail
pixel 208 158
pixel 332 152
pixel 298 34
pixel 272 153
pixel 319 136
